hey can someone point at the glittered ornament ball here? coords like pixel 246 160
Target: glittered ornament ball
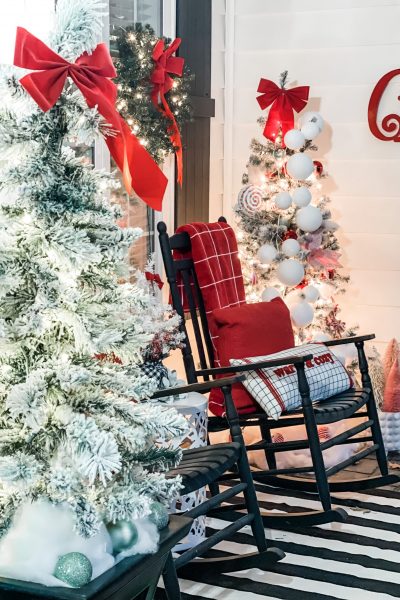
pixel 290 272
pixel 290 247
pixel 302 314
pixel 312 117
pixel 74 569
pixel 309 218
pixel 267 254
pixel 310 130
pixel 159 515
pixel 283 200
pixel 301 196
pixel 300 166
pixel 250 199
pixel 269 293
pixel 123 535
pixel 294 139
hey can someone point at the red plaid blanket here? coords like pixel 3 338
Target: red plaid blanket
pixel 216 261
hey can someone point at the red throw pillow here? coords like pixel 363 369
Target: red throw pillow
pixel 249 330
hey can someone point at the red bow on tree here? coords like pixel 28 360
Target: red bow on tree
pixel 155 278
pixel 284 102
pixel 91 73
pixel 165 63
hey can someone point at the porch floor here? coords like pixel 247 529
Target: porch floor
pixel 355 560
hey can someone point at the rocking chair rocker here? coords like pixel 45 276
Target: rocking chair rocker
pixel 340 407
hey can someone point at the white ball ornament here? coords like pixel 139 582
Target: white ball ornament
pixel 290 247
pixel 302 314
pixel 312 117
pixel 300 166
pixel 311 293
pixel 290 272
pixel 269 294
pixel 310 130
pixel 294 139
pixel 283 200
pixel 301 196
pixel 267 254
pixel 309 218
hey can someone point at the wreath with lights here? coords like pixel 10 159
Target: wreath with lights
pixel 133 49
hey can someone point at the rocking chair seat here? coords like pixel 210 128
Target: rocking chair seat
pixel 202 466
pixel 341 406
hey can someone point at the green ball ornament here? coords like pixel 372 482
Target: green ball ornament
pixel 74 568
pixel 124 535
pixel 159 515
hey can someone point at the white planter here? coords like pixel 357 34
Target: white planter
pixel 390 425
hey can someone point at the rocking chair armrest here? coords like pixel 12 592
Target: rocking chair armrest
pixel 350 340
pixel 262 364
pixel 202 387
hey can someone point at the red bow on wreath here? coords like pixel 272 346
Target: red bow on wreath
pixel 165 63
pixel 284 102
pixel 91 74
pixel 154 278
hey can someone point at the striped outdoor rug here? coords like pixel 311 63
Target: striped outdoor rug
pixel 355 560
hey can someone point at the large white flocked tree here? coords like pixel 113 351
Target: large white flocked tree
pixel 73 428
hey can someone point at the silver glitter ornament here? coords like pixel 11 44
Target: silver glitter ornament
pixel 74 568
pixel 123 535
pixel 159 515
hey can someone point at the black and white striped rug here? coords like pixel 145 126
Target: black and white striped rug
pixel 355 560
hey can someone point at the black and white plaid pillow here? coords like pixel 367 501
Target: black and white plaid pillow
pixel 276 389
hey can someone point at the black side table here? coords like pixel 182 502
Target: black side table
pixel 132 578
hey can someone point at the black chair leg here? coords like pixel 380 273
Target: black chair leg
pixel 269 454
pixel 372 411
pixel 245 473
pixel 312 434
pixel 170 578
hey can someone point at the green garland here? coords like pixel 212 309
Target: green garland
pixel 133 48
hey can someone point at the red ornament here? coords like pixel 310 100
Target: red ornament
pixel 108 358
pixel 284 102
pixel 289 235
pixel 165 63
pixel 390 123
pixel 318 168
pixel 331 273
pixel 92 74
pixel 302 284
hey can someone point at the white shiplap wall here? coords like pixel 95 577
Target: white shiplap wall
pixel 340 48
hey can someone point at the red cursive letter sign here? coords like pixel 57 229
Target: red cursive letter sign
pixel 390 123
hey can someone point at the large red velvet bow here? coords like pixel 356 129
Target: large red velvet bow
pixel 165 63
pixel 284 102
pixel 91 74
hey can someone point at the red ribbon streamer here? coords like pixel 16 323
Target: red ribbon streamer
pixel 91 73
pixel 165 63
pixel 284 102
pixel 155 278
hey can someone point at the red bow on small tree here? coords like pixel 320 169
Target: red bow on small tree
pixel 162 82
pixel 92 74
pixel 283 102
pixel 154 278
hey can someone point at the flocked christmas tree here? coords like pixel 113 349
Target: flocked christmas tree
pixel 74 430
pixel 287 237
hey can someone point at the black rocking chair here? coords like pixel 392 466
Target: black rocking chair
pixel 205 466
pixel 353 403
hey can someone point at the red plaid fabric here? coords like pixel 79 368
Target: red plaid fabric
pixel 215 256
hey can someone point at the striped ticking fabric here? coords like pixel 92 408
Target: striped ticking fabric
pixel 355 560
pixel 276 389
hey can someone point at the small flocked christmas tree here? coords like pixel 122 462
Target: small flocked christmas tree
pixel 75 427
pixel 287 237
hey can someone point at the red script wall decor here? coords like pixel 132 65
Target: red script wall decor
pixel 389 129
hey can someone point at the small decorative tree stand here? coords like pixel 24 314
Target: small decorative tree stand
pixel 132 578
